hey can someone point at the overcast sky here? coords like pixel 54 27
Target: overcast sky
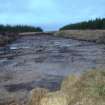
pixel 49 14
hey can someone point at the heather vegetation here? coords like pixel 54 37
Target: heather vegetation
pixel 91 24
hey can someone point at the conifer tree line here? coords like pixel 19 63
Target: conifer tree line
pixel 98 23
pixel 19 28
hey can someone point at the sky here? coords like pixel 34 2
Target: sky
pixel 49 14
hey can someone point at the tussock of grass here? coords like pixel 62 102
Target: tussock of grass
pixel 55 98
pixel 88 89
pixel 36 95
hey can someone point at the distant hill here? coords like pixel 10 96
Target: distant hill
pixel 91 24
pixel 19 28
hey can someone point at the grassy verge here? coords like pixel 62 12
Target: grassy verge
pixel 87 35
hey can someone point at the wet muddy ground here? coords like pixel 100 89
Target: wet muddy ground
pixel 43 61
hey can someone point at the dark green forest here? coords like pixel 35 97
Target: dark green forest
pixel 19 28
pixel 97 23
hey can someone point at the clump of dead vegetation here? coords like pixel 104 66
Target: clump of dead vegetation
pixel 88 89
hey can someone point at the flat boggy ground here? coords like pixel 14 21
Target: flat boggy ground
pixel 43 61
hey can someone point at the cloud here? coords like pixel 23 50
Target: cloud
pixel 50 14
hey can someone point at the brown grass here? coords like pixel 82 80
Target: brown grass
pixel 55 98
pixel 89 35
pixel 36 95
pixel 88 89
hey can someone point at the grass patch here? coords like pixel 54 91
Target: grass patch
pixel 88 89
pixel 85 89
